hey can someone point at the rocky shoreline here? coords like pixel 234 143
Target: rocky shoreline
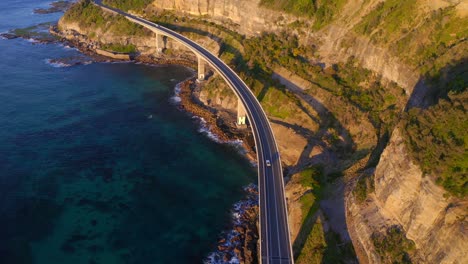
pixel 239 244
pixel 55 7
pixel 87 47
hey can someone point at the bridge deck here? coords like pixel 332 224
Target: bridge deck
pixel 275 245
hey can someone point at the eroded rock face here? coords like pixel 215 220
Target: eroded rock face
pixel 335 43
pixel 335 49
pixel 146 45
pixel 405 196
pixel 245 15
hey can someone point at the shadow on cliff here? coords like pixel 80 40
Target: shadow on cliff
pixel 452 78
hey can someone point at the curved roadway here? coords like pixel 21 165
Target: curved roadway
pixel 275 246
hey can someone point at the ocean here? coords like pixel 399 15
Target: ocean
pixel 98 165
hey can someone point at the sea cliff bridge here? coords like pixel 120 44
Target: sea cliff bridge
pixel 275 245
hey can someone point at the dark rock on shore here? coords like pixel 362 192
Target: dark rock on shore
pixel 220 127
pixel 8 36
pixel 59 6
pixel 240 242
pixel 38 33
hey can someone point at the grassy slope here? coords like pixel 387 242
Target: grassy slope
pixel 128 4
pixel 313 244
pixel 420 39
pixel 93 20
pixel 322 12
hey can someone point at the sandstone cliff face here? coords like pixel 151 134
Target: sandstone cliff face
pixel 245 15
pixel 338 42
pixel 338 45
pixel 403 195
pixel 146 45
pixel 406 197
pixel 335 43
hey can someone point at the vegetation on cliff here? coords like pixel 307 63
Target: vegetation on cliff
pixel 322 11
pixel 128 4
pixel 91 17
pixel 438 140
pixel 364 186
pixel 357 86
pixel 393 246
pixel 119 48
pixel 421 40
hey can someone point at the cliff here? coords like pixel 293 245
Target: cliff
pixel 343 37
pixel 244 16
pixel 333 89
pixel 101 29
pixel 404 196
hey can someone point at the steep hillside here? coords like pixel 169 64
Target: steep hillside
pixel 335 78
pixel 401 198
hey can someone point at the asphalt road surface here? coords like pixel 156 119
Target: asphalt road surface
pixel 275 245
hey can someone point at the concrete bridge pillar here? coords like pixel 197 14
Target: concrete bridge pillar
pixel 160 43
pixel 201 69
pixel 241 114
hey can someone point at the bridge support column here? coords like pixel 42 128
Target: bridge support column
pixel 201 69
pixel 160 44
pixel 241 114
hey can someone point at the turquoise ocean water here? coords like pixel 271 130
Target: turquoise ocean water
pixel 97 164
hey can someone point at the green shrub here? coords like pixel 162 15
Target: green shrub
pixel 128 4
pixel 437 140
pixel 120 48
pixel 86 14
pixel 393 246
pixel 311 178
pixel 322 11
pixel 90 16
pixel 360 191
pixel 388 19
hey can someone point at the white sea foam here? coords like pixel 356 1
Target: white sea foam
pixel 205 129
pixel 238 209
pixel 57 64
pixel 176 98
pixel 31 40
pixel 68 47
